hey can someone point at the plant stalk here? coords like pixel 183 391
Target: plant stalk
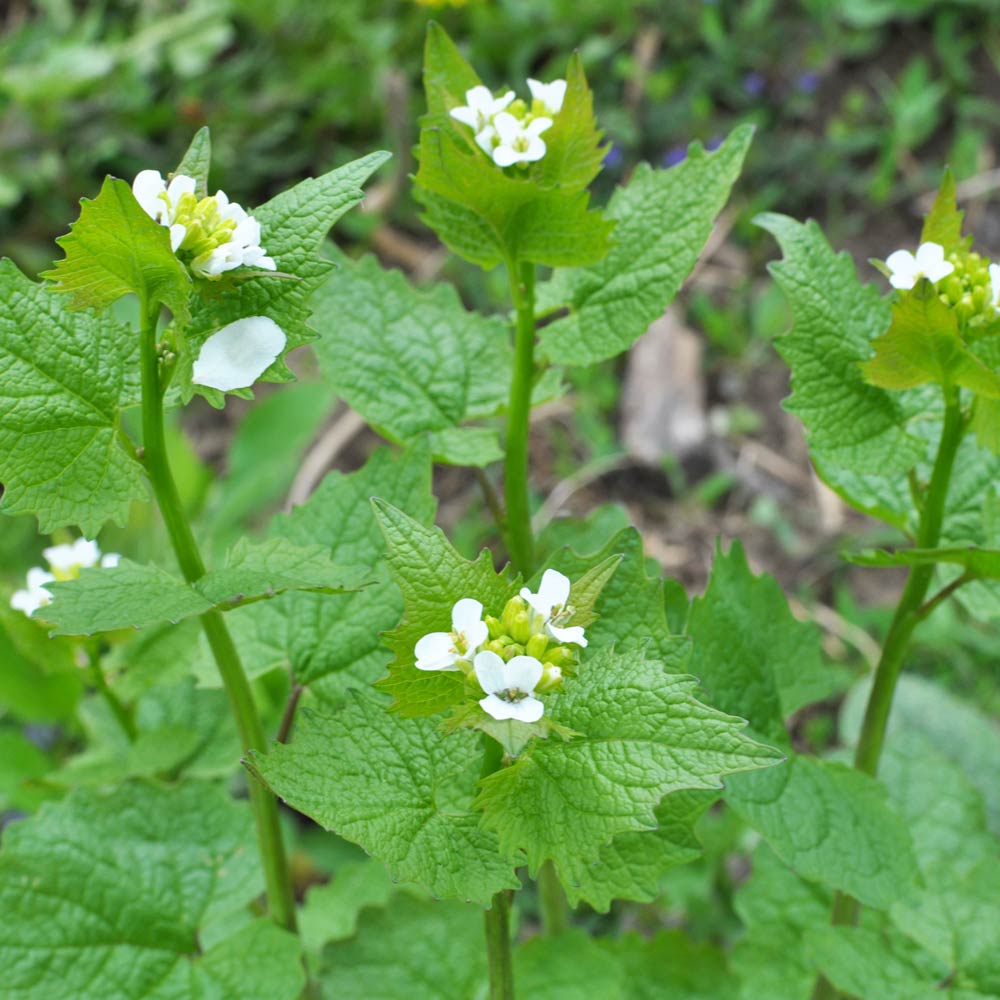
pixel 910 611
pixel 552 900
pixel 519 538
pixel 114 703
pixel 281 900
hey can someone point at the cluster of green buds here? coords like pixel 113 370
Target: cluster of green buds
pixel 968 289
pixel 520 631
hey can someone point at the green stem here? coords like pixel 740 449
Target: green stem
pixel 520 542
pixel 910 611
pixel 552 900
pixel 498 953
pixel 280 897
pixel 118 710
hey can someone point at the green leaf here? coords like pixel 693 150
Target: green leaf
pixel 475 446
pixel 398 788
pixel 115 248
pixel 924 345
pixel 567 966
pixel 976 561
pixel 144 874
pixel 197 160
pixel 293 227
pixel 943 223
pixel 832 825
pixel 433 577
pixel 410 361
pixel 663 218
pixel 646 736
pixel 751 655
pixel 849 424
pixel 20 762
pixel 446 75
pixel 66 377
pixel 631 610
pixel 630 866
pixel 132 595
pixel 331 641
pixel 433 951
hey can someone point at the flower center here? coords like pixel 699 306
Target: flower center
pixel 512 695
pixel 205 228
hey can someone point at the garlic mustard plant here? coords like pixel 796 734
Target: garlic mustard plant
pixel 454 650
pixel 906 269
pixel 509 686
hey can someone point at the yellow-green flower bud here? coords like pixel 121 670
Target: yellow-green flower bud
pixel 514 607
pixel 953 288
pixel 498 645
pixel 495 626
pixel 514 649
pixel 518 108
pixel 551 678
pixel 537 645
pixel 559 656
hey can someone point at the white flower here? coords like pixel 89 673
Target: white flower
pixel 65 563
pixel 35 596
pixel 908 269
pixel 238 354
pixel 480 108
pixel 995 285
pixel 509 686
pixel 550 603
pixel 444 650
pixel 549 95
pixel 214 234
pixel 519 143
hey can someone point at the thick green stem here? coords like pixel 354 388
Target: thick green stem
pixel 498 953
pixel 281 900
pixel 910 611
pixel 520 542
pixel 552 900
pixel 114 703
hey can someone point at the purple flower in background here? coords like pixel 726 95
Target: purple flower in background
pixel 714 143
pixel 613 158
pixel 807 82
pixel 754 83
pixel 674 155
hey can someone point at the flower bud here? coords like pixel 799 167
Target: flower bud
pixel 495 626
pixel 551 678
pixel 514 649
pixel 498 645
pixel 518 108
pixel 516 620
pixel 559 656
pixel 537 645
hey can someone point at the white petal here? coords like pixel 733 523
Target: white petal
pixel 507 126
pixel 238 354
pixel 267 264
pixel 903 266
pixel 504 156
pixel 497 707
pixel 38 577
pixel 490 672
pixel 177 234
pixel 180 184
pixel 480 98
pixel 66 558
pixel 535 150
pixel 435 651
pixel 247 232
pixel 537 89
pixel 467 116
pixel 556 95
pixel 902 281
pixel 475 635
pixel 523 673
pixel 527 710
pixel 554 590
pixel 538 125
pixel 485 137
pixel 87 553
pixel 572 633
pixel 147 188
pixel 995 283
pixel 465 612
pixel 929 255
pixel 110 560
pixel 501 102
pixel 24 600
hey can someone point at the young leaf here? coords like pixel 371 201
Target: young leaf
pixel 943 224
pixel 923 345
pixel 132 595
pixel 663 218
pixel 143 873
pixel 976 561
pixel 197 160
pixel 646 736
pixel 398 788
pixel 293 227
pixel 750 653
pixel 849 423
pixel 832 825
pixel 410 361
pixel 66 378
pixel 115 248
pixel 332 641
pixel 433 578
pixel 447 76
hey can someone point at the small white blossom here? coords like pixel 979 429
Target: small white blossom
pixel 549 95
pixel 907 269
pixel 480 108
pixel 444 650
pixel 518 142
pixel 65 563
pixel 509 686
pixel 215 234
pixel 238 354
pixel 550 603
pixel 995 285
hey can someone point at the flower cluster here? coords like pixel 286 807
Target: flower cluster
pixel 965 281
pixel 65 563
pixel 212 235
pixel 508 130
pixel 512 657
